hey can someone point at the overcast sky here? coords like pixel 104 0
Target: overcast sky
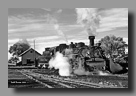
pixel 38 24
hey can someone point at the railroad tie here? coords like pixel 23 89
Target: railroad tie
pixel 30 77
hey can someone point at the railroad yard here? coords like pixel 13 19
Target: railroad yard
pixel 65 56
pixel 31 77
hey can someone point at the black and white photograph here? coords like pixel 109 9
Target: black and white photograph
pixel 68 48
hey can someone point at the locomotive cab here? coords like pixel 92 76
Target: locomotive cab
pixel 95 59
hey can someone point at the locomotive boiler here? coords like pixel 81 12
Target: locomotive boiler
pixel 92 57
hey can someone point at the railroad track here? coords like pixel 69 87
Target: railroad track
pixel 48 83
pixel 81 84
pixel 55 82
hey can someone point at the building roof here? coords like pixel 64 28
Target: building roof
pixel 28 51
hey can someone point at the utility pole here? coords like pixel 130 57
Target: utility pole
pixel 34 53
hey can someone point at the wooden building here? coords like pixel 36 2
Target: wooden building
pixel 28 56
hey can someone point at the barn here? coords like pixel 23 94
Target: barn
pixel 28 56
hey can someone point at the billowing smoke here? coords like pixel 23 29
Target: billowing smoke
pixel 68 53
pixel 80 70
pixel 60 62
pixel 52 20
pixel 89 18
pixel 60 32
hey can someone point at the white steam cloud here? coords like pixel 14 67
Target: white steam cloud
pixel 60 32
pixel 102 73
pixel 89 18
pixel 52 20
pixel 80 70
pixel 60 62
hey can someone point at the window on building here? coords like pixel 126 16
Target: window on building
pixel 31 51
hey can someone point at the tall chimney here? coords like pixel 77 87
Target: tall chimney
pixel 91 39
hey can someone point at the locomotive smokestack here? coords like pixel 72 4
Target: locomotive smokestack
pixel 91 40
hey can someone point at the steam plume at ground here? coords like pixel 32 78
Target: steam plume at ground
pixel 80 70
pixel 89 18
pixel 102 73
pixel 60 62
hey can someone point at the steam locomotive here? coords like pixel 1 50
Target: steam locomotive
pixel 92 57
